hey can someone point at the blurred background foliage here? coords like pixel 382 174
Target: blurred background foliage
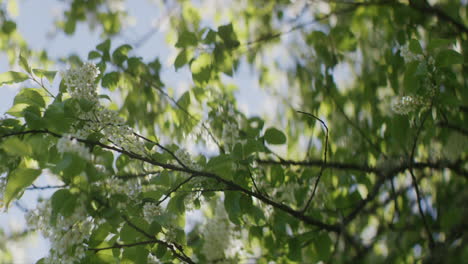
pixel 392 183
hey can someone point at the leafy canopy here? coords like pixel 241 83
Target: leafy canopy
pixel 361 156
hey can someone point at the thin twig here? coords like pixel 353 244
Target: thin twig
pixel 415 182
pixel 322 168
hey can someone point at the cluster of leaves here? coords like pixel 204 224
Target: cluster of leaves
pixel 369 186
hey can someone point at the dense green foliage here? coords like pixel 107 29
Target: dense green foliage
pixel 361 159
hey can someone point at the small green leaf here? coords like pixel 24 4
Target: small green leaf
pixel 295 248
pixel 12 77
pixel 49 75
pixel 120 54
pixel 128 233
pixel 448 57
pixel 17 181
pixel 24 64
pixel 63 202
pixel 104 46
pixel 99 234
pixel 186 39
pixel 104 96
pixel 184 100
pixel 228 36
pixel 201 68
pixel 94 55
pixel 32 115
pixel 210 37
pixel 275 136
pixel 110 80
pixel 29 96
pixel 8 27
pixel 415 47
pixel 181 59
pixel 232 206
pixel 15 146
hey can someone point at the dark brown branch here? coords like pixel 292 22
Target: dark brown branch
pixel 415 182
pixel 232 185
pixel 168 194
pixel 34 187
pixel 324 164
pixel 117 245
pixel 460 130
pixel 320 163
pixel 138 175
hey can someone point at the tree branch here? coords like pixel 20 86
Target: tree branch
pixel 322 168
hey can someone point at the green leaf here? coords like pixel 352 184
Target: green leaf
pixel 94 55
pixel 186 39
pixel 32 115
pixel 184 100
pixel 415 47
pixel 8 27
pixel 181 59
pixel 99 234
pixel 448 57
pixel 120 54
pixel 17 110
pixel 128 234
pixel 56 118
pixel 29 96
pixel 228 36
pixel 210 37
pixel 104 96
pixel 17 181
pixel 277 175
pixel 49 75
pixel 110 80
pixel 437 43
pixel 63 202
pixel 201 68
pixel 221 164
pixel 104 46
pixel 15 146
pixel 24 64
pixel 274 136
pixel 295 248
pixel 232 206
pixel 12 77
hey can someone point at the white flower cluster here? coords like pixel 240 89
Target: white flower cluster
pixel 186 159
pixel 130 187
pixel 69 144
pixel 150 210
pixel 230 134
pixel 152 259
pixel 217 234
pixel 409 56
pixel 81 84
pixel 406 104
pixel 67 236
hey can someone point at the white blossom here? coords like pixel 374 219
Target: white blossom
pixel 150 210
pixel 409 56
pixel 218 237
pixel 67 236
pixel 81 84
pixel 406 104
pixel 69 144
